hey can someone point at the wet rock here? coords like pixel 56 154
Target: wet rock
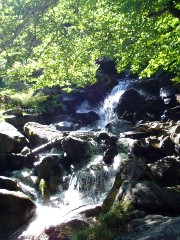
pixel 10 138
pixel 92 212
pixel 65 230
pixel 153 128
pixel 54 183
pixel 109 155
pixel 8 183
pixel 135 170
pixel 88 117
pixel 153 227
pixel 164 136
pixel 76 149
pixel 148 86
pixel 176 128
pixel 154 108
pixel 151 198
pixel 137 214
pixel 103 136
pixel 16 209
pixel 131 170
pixel 16 161
pixel 166 171
pixel 25 151
pixel 175 133
pixel 135 134
pixel 39 134
pixel 19 121
pixel 71 101
pixel 130 117
pixel 47 167
pixel 177 149
pixel 131 102
pixel 111 141
pixel 167 93
pixel 96 93
pixel 171 114
pixel 26 177
pixel 107 66
pixel 148 149
pixel 167 146
pixel 66 126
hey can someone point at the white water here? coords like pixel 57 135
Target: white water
pixel 88 188
pixel 107 109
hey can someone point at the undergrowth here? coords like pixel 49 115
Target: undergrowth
pixel 108 225
pixel 2 118
pixel 26 101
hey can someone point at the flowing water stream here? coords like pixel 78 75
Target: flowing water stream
pixel 107 109
pixel 88 186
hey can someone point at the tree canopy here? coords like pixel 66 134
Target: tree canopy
pixel 63 39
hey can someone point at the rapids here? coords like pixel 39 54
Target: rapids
pixel 88 186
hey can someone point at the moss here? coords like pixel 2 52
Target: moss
pixel 108 202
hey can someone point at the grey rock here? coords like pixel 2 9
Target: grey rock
pixel 39 134
pixel 154 228
pixel 16 209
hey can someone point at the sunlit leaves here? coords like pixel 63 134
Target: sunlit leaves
pixel 65 38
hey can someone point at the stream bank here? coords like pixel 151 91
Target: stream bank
pixel 137 145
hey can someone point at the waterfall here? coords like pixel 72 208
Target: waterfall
pixel 88 187
pixel 107 108
pixel 95 180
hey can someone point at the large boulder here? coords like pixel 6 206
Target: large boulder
pixel 153 227
pixel 148 86
pixel 47 166
pixel 39 134
pixel 132 102
pixel 154 107
pixel 109 155
pixel 77 150
pixel 11 140
pixel 148 149
pixel 8 183
pixel 151 198
pixel 166 171
pixel 16 209
pixel 87 117
pixel 131 169
pixel 134 183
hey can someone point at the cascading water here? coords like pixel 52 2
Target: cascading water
pixel 88 186
pixel 107 109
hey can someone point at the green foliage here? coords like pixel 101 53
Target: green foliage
pixel 2 118
pixel 65 38
pixel 42 186
pixel 108 225
pixel 27 101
